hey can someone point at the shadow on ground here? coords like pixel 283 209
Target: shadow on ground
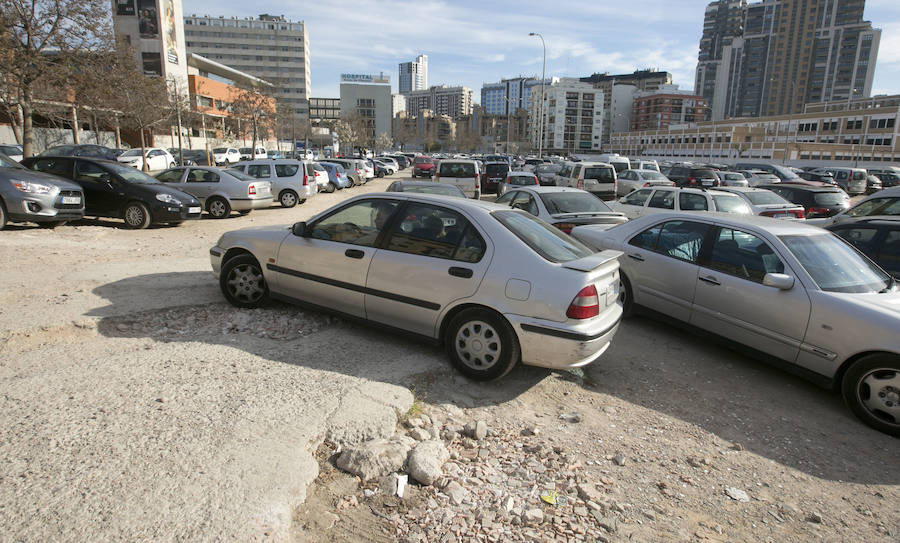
pixel 766 410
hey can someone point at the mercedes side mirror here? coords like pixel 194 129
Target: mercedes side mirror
pixel 780 281
pixel 299 229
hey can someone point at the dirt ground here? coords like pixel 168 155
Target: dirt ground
pixel 136 404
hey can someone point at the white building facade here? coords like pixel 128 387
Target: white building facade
pixel 573 117
pixel 414 75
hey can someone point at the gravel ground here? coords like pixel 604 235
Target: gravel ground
pixel 136 404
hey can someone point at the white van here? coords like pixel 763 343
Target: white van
pixel 617 161
pixel 637 164
pixel 462 173
pixel 598 178
pixel 248 154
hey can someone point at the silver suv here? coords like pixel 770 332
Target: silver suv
pixel 27 196
pixel 220 191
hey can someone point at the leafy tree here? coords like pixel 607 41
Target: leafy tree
pixel 37 39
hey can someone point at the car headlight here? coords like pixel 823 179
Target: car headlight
pixel 168 198
pixel 31 187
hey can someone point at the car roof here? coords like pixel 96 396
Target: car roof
pixel 778 227
pixel 742 189
pixel 548 189
pixel 808 188
pixel 475 206
pixel 876 220
pixel 685 189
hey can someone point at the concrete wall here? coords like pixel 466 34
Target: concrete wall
pixel 45 138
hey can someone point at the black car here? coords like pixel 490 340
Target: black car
pixel 494 174
pixel 691 176
pixel 115 190
pixel 85 150
pixel 879 239
pixel 817 201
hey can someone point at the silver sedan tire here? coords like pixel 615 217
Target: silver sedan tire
pixel 481 344
pixel 871 388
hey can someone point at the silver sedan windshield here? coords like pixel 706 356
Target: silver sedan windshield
pixel 835 266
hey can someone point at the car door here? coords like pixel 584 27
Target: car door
pixel 661 200
pixel 661 264
pixel 328 266
pixel 633 204
pixel 431 258
pixel 732 301
pixel 201 183
pixel 103 193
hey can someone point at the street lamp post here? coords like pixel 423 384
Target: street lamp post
pixel 543 76
pixel 508 107
pixel 790 120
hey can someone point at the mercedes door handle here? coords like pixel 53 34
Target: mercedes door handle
pixel 465 273
pixel 354 253
pixel 711 280
pixel 636 256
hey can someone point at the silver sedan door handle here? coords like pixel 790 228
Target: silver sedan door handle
pixel 636 256
pixel 710 279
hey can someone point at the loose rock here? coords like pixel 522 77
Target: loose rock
pixel 426 461
pixel 737 494
pixel 375 458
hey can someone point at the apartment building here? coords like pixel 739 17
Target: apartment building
pixel 414 75
pixel 788 53
pixel 324 110
pixel 367 97
pixel 864 132
pixel 270 47
pixel 442 100
pixel 509 95
pixel 665 107
pixel 641 80
pixel 573 117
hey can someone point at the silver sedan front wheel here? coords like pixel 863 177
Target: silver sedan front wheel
pixel 242 282
pixel 478 345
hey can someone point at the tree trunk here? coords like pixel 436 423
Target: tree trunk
pixel 76 139
pixel 144 166
pixel 16 122
pixel 27 128
pixel 96 128
pixel 253 148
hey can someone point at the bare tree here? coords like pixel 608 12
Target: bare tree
pixel 383 142
pixel 254 103
pixel 36 38
pixel 143 100
pixel 346 134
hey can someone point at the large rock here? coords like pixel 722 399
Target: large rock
pixel 427 460
pixel 375 458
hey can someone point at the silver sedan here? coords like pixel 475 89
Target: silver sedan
pixel 220 191
pixel 793 293
pixel 496 285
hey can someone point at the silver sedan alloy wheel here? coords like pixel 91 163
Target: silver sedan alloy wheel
pixel 217 208
pixel 246 283
pixel 879 392
pixel 478 345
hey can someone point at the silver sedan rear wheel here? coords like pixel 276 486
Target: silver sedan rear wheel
pixel 481 344
pixel 871 388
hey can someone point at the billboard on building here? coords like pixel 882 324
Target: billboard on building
pixel 170 31
pixel 365 78
pixel 125 7
pixel 148 18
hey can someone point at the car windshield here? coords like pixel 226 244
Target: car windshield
pixel 876 206
pixel 600 174
pixel 522 180
pixel 544 239
pixel 131 175
pixel 132 152
pixel 10 150
pixel 764 197
pixel 731 204
pixel 6 162
pixel 441 190
pixel 573 202
pixel 246 150
pixel 496 169
pixel 220 150
pixel 830 198
pixel 836 266
pixel 424 160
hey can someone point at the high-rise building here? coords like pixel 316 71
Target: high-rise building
pixel 573 117
pixel 722 24
pixel 398 104
pixel 642 80
pixel 509 95
pixel 654 110
pixel 788 53
pixel 367 98
pixel 414 75
pixel 271 47
pixel 442 100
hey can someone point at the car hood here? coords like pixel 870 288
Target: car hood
pixel 155 189
pixel 887 304
pixel 38 177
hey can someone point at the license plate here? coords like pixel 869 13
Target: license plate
pixel 71 199
pixel 194 209
pixel 783 216
pixel 707 182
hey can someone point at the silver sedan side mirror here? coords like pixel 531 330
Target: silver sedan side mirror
pixel 780 281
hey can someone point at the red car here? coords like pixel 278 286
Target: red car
pixel 423 166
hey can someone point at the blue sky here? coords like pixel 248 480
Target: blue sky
pixel 470 43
